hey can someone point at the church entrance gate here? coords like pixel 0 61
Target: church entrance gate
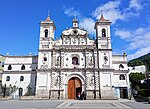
pixel 74 87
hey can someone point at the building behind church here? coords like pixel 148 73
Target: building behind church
pixel 71 65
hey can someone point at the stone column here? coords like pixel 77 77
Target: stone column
pixel 85 75
pixel 59 75
pixel 94 75
pixel 99 75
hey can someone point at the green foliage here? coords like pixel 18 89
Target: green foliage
pixel 135 79
pixel 144 92
pixel 143 60
pixel 29 92
pixel 7 90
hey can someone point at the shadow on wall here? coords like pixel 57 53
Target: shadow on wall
pixel 31 89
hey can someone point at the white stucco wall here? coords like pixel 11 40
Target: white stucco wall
pixel 29 80
pixel 118 82
pixel 29 74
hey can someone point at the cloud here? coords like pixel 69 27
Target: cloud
pixel 139 53
pixel 88 24
pixel 135 4
pixel 111 11
pixel 123 34
pixel 72 12
pixel 137 39
pixel 84 22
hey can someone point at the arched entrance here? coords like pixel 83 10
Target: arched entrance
pixel 20 92
pixel 74 87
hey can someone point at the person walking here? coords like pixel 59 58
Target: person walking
pixel 79 96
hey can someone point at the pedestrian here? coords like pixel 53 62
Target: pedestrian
pixel 79 95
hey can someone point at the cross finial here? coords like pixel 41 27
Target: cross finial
pixel 101 12
pixel 102 17
pixel 48 13
pixel 75 16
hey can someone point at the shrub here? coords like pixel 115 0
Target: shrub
pixel 144 92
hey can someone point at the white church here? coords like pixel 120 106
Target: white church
pixel 70 65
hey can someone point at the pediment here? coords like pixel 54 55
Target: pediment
pixel 74 31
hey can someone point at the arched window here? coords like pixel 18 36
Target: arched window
pixel 3 64
pixel 8 78
pixel 9 67
pixel 121 66
pixel 23 67
pixel 21 78
pixel 46 33
pixel 75 61
pixel 122 77
pixel 103 33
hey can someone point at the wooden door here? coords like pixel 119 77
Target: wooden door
pixel 71 89
pixel 74 84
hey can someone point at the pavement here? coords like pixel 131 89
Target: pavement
pixel 73 104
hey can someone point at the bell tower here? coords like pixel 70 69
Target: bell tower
pixel 103 40
pixel 47 29
pixel 104 52
pixel 102 27
pixel 75 23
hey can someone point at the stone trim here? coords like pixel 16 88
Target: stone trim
pixel 21 63
pixel 121 71
pixel 119 62
pixel 75 49
pixel 75 69
pixel 21 56
pixel 19 72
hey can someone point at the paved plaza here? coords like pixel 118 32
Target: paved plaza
pixel 73 104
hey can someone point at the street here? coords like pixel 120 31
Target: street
pixel 73 104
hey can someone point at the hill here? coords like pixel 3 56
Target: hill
pixel 143 60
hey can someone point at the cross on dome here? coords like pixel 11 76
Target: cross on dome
pixel 75 22
pixel 102 17
pixel 48 17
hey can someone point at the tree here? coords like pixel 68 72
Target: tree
pixel 135 79
pixel 29 92
pixel 143 60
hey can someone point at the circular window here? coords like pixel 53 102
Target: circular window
pixel 75 31
pixel 45 59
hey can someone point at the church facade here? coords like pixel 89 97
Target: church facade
pixel 73 64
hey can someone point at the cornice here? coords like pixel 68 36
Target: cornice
pixel 19 72
pixel 74 70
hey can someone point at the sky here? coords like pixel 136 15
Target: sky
pixel 20 29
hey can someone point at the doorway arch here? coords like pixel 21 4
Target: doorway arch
pixel 74 87
pixel 20 92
